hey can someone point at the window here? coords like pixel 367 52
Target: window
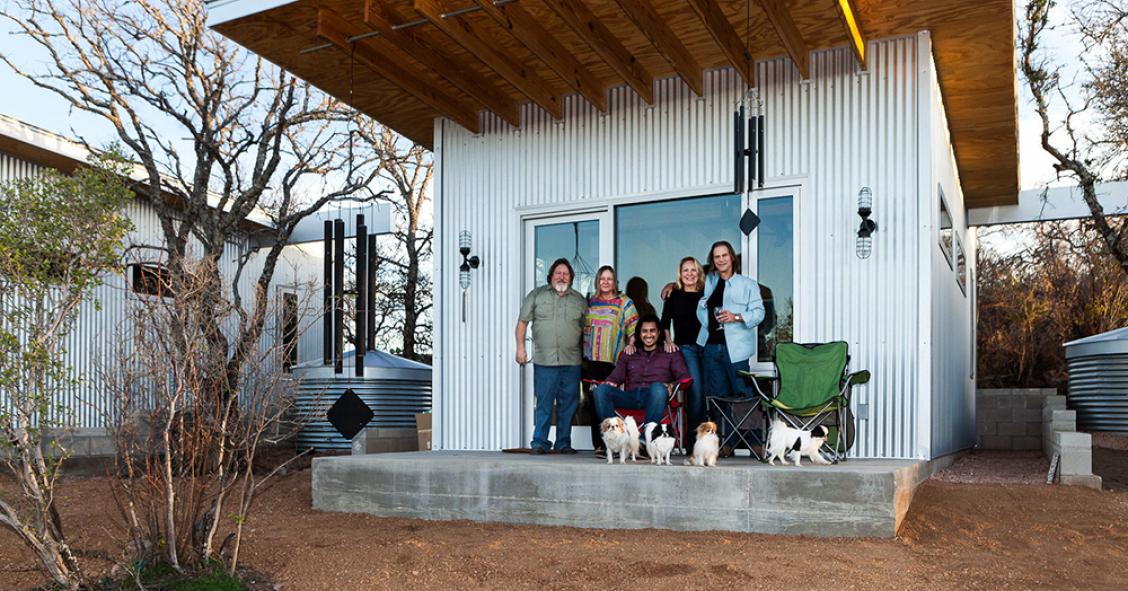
pixel 151 279
pixel 961 267
pixel 650 239
pixel 775 272
pixel 289 331
pixel 576 241
pixel 945 228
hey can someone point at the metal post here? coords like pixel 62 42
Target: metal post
pixel 327 298
pixel 360 333
pixel 371 307
pixel 338 295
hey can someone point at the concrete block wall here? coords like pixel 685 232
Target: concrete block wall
pixel 1010 418
pixel 1074 449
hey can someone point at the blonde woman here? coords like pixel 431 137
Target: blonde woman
pixel 680 313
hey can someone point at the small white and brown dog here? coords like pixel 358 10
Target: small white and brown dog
pixel 659 443
pixel 620 435
pixel 706 447
pixel 785 440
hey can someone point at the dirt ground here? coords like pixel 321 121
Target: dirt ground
pixel 956 536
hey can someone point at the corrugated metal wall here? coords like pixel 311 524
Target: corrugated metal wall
pixel 829 136
pixel 953 309
pixel 103 322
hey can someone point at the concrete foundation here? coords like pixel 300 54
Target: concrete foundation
pixel 855 498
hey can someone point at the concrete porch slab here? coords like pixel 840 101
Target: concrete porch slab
pixel 855 498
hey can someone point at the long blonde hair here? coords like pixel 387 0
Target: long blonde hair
pixel 700 274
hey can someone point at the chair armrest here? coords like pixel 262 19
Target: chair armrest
pixel 858 378
pixel 758 376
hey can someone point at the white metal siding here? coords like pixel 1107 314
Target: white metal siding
pixel 103 324
pixel 831 135
pixel 952 310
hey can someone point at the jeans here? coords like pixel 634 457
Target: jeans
pixel 559 384
pixel 722 380
pixel 652 398
pixel 695 398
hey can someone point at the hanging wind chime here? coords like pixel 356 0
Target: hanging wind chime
pixel 748 150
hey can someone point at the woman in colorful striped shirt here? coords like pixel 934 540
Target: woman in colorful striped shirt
pixel 609 327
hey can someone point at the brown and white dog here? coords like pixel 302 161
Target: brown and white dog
pixel 707 446
pixel 620 435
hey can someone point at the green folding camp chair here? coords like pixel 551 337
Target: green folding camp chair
pixel 812 387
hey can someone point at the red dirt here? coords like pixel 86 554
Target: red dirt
pixel 965 536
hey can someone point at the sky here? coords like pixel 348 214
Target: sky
pixel 22 100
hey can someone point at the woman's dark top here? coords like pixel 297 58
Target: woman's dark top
pixel 716 300
pixel 681 308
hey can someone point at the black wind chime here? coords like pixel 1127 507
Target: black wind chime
pixel 748 149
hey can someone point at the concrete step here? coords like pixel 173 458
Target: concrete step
pixel 854 498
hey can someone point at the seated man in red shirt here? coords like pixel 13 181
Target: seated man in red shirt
pixel 642 379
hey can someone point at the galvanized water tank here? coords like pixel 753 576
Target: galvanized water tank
pixel 393 387
pixel 1098 380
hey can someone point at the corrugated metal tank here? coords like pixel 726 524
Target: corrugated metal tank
pixel 393 387
pixel 830 135
pixel 1098 381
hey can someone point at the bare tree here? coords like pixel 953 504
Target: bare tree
pixel 403 279
pixel 58 237
pixel 1086 156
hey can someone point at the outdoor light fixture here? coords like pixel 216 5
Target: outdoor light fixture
pixel 866 229
pixel 468 262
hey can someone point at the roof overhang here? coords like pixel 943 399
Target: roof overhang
pixel 416 60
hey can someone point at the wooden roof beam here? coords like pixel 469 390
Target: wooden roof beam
pixel 442 64
pixel 520 76
pixel 336 30
pixel 584 23
pixel 525 28
pixel 788 34
pixel 720 28
pixel 665 41
pixel 848 13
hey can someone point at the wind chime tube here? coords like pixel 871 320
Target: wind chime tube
pixel 371 306
pixel 753 170
pixel 360 335
pixel 760 152
pixel 327 298
pixel 738 141
pixel 338 295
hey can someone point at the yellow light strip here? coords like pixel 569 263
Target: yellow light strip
pixel 855 33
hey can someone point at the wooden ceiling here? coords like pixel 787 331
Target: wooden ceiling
pixel 501 55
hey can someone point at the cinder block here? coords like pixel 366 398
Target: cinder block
pixel 1026 443
pixel 1088 480
pixel 1073 439
pixel 1034 429
pixel 998 415
pixel 985 428
pixel 1034 402
pixel 1028 415
pixel 996 442
pixel 1012 429
pixel 1076 461
pixel 1055 402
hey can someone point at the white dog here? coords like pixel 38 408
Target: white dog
pixel 785 440
pixel 707 446
pixel 620 435
pixel 659 443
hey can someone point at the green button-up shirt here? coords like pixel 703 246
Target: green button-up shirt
pixel 557 325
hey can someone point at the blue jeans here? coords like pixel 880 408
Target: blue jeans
pixel 720 374
pixel 695 398
pixel 559 384
pixel 652 399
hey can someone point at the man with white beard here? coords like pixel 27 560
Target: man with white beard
pixel 556 312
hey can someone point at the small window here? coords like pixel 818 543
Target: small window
pixel 961 266
pixel 151 279
pixel 945 228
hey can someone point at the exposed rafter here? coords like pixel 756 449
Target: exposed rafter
pixel 664 40
pixel 848 13
pixel 441 63
pixel 718 25
pixel 788 34
pixel 520 76
pixel 336 30
pixel 589 28
pixel 525 28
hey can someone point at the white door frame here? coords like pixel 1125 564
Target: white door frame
pixel 581 436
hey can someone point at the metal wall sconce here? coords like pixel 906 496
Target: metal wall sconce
pixel 468 262
pixel 864 245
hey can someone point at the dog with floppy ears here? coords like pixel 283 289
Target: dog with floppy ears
pixel 659 443
pixel 620 435
pixel 786 440
pixel 707 447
